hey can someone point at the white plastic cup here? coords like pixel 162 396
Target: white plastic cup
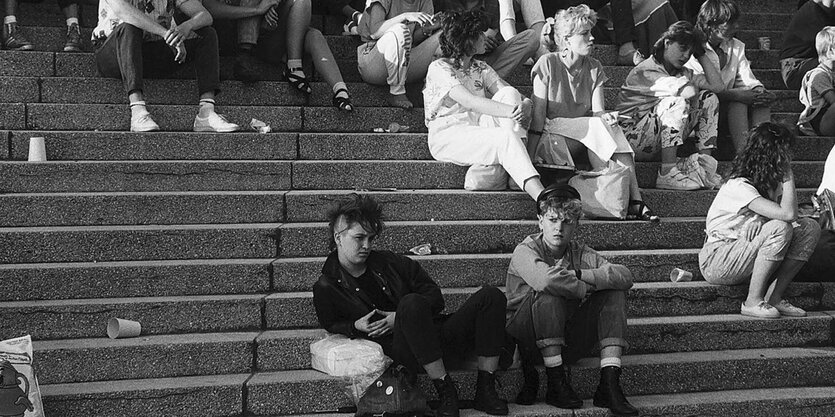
pixel 680 275
pixel 37 149
pixel 121 328
pixel 765 42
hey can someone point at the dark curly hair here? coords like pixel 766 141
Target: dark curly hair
pixel 460 32
pixel 356 208
pixel 767 157
pixel 682 32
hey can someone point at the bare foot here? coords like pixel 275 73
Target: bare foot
pixel 400 100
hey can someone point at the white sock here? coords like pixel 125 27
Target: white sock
pixel 339 86
pixel 72 21
pixel 137 108
pixel 294 63
pixel 604 362
pixel 9 19
pixel 552 361
pixel 207 106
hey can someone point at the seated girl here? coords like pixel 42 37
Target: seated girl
pixel 400 43
pixel 745 101
pixel 753 234
pixel 465 127
pixel 568 105
pixel 663 102
pixel 287 35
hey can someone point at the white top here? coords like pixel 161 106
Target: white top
pixel 737 71
pixel 729 212
pixel 828 180
pixel 441 110
pixel 161 11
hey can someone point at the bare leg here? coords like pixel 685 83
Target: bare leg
pixel 782 278
pixel 11 7
pixel 298 22
pixel 71 11
pixel 738 124
pixel 760 278
pixel 323 60
pixel 629 161
pixel 488 363
pixel 668 158
pixel 827 127
pixel 436 369
pixel 611 352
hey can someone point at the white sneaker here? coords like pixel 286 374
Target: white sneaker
pixel 762 310
pixel 143 123
pixel 214 123
pixel 787 309
pixel 676 180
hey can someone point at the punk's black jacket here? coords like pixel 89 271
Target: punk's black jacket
pixel 339 302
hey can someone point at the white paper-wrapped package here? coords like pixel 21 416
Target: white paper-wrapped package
pixel 339 355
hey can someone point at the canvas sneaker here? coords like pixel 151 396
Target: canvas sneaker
pixel 676 180
pixel 787 309
pixel 143 123
pixel 73 43
pixel 214 123
pixel 762 310
pixel 14 39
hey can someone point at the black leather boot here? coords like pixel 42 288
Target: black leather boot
pixel 486 398
pixel 559 393
pixel 609 394
pixel 447 396
pixel 530 388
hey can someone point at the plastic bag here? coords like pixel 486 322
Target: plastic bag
pixel 20 395
pixel 485 178
pixel 605 193
pixel 358 362
pixel 702 169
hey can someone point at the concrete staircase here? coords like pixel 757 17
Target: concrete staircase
pixel 213 242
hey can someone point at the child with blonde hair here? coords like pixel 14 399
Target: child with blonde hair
pixel 568 106
pixel 817 91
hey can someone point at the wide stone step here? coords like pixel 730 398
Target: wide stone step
pixel 298 392
pixel 650 299
pixel 141 176
pixel 199 396
pixel 137 243
pixel 126 146
pixel 55 281
pixel 101 359
pixel 73 319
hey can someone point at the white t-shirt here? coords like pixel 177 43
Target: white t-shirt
pixel 729 212
pixel 161 11
pixel 828 180
pixel 439 108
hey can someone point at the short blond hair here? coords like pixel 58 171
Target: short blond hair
pixel 571 21
pixel 824 42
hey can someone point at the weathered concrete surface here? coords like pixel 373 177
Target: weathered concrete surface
pixel 83 209
pixel 65 319
pixel 54 281
pixel 129 243
pixel 130 146
pixel 203 396
pixel 84 176
pixel 88 360
pixel 12 116
pixel 26 64
pixel 19 90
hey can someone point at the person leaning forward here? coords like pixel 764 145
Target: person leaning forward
pixel 390 299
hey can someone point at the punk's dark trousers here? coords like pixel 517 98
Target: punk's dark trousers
pixel 126 55
pixel 418 339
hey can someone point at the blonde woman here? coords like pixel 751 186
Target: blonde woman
pixel 569 119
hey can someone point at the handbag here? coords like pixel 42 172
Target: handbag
pixel 605 193
pixel 394 393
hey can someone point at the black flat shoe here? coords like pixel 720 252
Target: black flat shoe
pixel 299 82
pixel 642 212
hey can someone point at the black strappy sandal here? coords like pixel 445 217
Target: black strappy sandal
pixel 297 81
pixel 343 103
pixel 643 213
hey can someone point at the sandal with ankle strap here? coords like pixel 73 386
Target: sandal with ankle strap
pixel 342 103
pixel 643 213
pixel 299 82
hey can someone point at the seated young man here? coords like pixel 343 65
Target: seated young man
pixel 505 48
pixel 138 36
pixel 390 299
pixel 563 296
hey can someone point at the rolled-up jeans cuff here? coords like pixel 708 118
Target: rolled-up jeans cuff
pixel 553 341
pixel 613 341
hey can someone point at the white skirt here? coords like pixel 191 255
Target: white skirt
pixel 595 134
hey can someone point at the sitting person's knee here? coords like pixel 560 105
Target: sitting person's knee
pixel 492 296
pixel 778 230
pixel 412 304
pixel 508 95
